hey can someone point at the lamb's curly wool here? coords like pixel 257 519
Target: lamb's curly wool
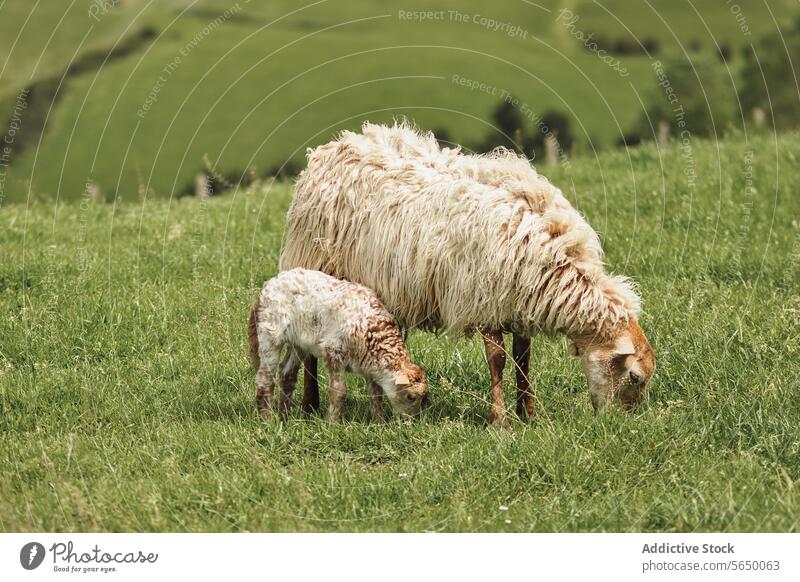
pixel 312 313
pixel 452 241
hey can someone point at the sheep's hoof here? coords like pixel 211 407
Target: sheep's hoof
pixel 499 421
pixel 285 407
pixel 309 408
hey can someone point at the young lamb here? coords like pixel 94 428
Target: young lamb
pixel 316 315
pixel 458 242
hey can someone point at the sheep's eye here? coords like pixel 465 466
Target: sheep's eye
pixel 411 397
pixel 635 378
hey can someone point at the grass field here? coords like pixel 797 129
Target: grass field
pixel 127 403
pixel 255 87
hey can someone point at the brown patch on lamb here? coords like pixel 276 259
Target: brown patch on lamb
pixel 383 340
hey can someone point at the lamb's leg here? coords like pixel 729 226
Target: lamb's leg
pixel 310 385
pixel 289 369
pixel 265 380
pixel 375 401
pixel 337 389
pixel 522 356
pixel 496 358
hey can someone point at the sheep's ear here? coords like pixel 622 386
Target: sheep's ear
pixel 573 349
pixel 624 346
pixel 401 379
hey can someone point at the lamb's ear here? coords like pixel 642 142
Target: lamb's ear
pixel 401 379
pixel 573 349
pixel 624 346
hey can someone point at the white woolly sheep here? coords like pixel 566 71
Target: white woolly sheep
pixel 314 314
pixel 461 242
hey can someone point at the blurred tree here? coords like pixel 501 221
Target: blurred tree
pixel 725 52
pixel 511 131
pixel 776 92
pixel 443 137
pixel 628 139
pixel 552 123
pixel 696 97
pixel 650 45
pixel 622 46
pixel 626 46
pixel 559 127
pixel 508 127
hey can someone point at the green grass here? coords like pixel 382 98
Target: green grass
pixel 268 82
pixel 126 400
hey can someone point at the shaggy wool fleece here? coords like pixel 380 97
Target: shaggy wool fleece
pixel 452 241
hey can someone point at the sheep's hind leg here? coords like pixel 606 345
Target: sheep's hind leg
pixel 265 381
pixel 522 355
pixel 289 369
pixel 310 385
pixel 496 358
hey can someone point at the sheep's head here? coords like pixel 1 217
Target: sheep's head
pixel 410 392
pixel 619 368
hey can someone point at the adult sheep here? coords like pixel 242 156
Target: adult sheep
pixel 459 242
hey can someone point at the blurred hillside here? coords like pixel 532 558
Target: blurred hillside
pixel 125 99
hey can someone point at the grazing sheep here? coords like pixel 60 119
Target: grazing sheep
pixel 459 242
pixel 314 314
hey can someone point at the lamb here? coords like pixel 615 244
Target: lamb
pixel 316 315
pixel 458 242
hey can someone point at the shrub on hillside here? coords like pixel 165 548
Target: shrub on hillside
pixel 556 124
pixel 511 130
pixel 443 137
pixel 625 45
pixel 694 96
pixel 508 129
pixel 769 77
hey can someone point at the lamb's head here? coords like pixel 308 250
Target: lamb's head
pixel 618 368
pixel 407 389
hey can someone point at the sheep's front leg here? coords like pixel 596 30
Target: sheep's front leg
pixel 496 358
pixel 289 369
pixel 522 355
pixel 337 390
pixel 375 401
pixel 310 385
